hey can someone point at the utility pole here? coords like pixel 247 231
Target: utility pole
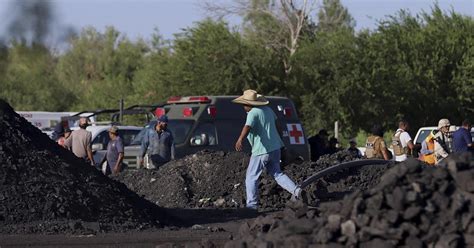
pixel 121 111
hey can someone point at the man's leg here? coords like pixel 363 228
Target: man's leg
pixel 251 179
pixel 273 169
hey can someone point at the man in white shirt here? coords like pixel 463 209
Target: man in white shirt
pixel 402 143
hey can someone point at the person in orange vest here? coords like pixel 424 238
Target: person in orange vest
pixel 427 149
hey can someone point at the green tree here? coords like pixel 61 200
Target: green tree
pixel 29 82
pixel 323 83
pixel 333 15
pixel 409 64
pixel 100 68
pixel 207 59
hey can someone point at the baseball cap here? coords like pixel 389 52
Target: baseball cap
pixel 113 129
pixel 163 118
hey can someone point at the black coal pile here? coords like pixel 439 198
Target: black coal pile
pixel 46 189
pixel 204 179
pixel 216 179
pixel 412 206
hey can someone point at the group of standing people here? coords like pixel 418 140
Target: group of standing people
pixel 437 145
pixel 157 145
pixel 446 140
pixel 79 142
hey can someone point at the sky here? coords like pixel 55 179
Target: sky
pixel 139 18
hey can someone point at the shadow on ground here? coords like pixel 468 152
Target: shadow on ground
pixel 190 217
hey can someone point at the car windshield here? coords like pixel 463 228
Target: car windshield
pixel 179 128
pixel 422 136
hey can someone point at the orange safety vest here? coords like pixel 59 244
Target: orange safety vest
pixel 429 158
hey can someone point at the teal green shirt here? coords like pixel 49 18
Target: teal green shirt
pixel 263 135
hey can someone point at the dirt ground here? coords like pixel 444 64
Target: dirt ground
pixel 200 228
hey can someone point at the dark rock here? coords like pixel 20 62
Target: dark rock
pixel 392 216
pixel 414 242
pixel 334 222
pixel 301 226
pixel 396 200
pixel 377 243
pixel 465 180
pixel 448 241
pixel 348 228
pixel 411 212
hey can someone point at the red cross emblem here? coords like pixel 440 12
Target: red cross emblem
pixel 295 132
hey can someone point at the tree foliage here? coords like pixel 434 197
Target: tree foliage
pixel 333 16
pixel 419 67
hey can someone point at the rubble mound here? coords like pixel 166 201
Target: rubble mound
pixel 46 189
pixel 204 179
pixel 216 179
pixel 412 206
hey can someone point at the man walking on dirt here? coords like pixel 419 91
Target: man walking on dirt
pixel 261 132
pixel 80 142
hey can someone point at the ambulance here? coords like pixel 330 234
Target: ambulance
pixel 214 123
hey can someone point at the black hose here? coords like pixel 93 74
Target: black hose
pixel 346 165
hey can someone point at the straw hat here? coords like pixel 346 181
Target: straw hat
pixel 250 97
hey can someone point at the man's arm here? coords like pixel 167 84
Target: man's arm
pixel 410 145
pixel 439 149
pixel 118 165
pixel 172 146
pixel 468 139
pixel 120 149
pixel 144 145
pixel 385 153
pixel 89 148
pixel 68 142
pixel 243 135
pixel 383 148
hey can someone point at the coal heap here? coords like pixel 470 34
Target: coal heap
pixel 412 206
pixel 46 189
pixel 216 179
pixel 204 179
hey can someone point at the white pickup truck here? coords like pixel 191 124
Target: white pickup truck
pixel 423 132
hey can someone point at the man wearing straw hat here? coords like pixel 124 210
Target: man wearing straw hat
pixel 261 132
